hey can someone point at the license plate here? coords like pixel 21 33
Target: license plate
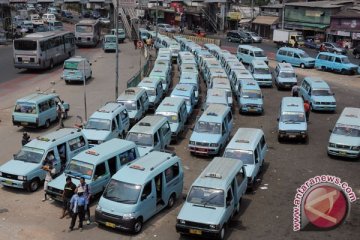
pixel 342 153
pixel 8 182
pixel 109 224
pixel 24 123
pixel 195 231
pixel 26 61
pixel 292 136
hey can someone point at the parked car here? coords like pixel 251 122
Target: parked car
pixel 312 42
pixel 255 37
pixel 334 48
pixel 28 26
pixel 166 28
pixel 86 14
pixel 66 14
pixel 96 15
pixel 236 36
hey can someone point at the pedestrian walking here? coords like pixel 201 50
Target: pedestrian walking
pixel 87 195
pixel 60 113
pixel 69 191
pixel 25 139
pixel 77 206
pixel 307 109
pixel 48 166
pixel 295 91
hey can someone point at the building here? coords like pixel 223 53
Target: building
pixel 269 19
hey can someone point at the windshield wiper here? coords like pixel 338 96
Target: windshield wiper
pixel 209 199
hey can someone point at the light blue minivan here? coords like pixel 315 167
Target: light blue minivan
pixel 109 43
pixel 96 165
pixel 25 169
pixel 250 97
pixel 76 69
pixel 192 79
pixel 334 62
pixel 284 76
pixel 187 92
pixel 247 53
pixel 292 119
pixel 214 198
pixel 154 90
pixel 162 73
pixel 318 93
pixel 261 73
pixel 345 137
pixel 140 190
pixel 37 110
pixel 295 57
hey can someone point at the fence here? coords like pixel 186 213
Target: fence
pixel 198 40
pixel 134 81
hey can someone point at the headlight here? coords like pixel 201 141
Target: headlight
pixel 192 142
pixel 303 132
pixel 356 148
pixel 332 145
pixel 100 141
pixel 214 145
pixel 21 178
pixel 317 103
pixel 181 221
pixel 212 226
pixel 128 216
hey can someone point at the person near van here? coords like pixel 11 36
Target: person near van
pixel 69 191
pixel 149 43
pixel 307 109
pixel 295 90
pixel 296 44
pixel 62 154
pixel 322 48
pixel 77 205
pixel 48 166
pixel 25 138
pixel 87 195
pixel 60 113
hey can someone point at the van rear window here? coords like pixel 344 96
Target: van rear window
pixel 71 65
pixel 27 45
pixel 25 108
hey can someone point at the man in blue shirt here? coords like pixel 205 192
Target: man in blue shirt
pixel 78 205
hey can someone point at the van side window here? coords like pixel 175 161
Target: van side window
pixel 256 154
pixel 229 196
pixel 229 117
pixel 44 106
pixel 240 176
pixel 165 128
pixel 172 172
pixel 338 60
pixel 223 128
pixel 262 142
pixel 147 190
pixel 51 103
pixel 322 57
pixel 282 52
pixel 289 54
pixel 156 139
pixel 251 54
pixel 138 105
pixel 296 55
pixel 112 165
pixel 127 156
pixel 100 170
pixel 113 125
pixel 76 143
pixel 244 51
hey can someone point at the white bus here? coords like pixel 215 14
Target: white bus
pixel 43 50
pixel 87 33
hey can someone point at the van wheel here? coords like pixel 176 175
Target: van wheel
pixel 66 82
pixel 229 39
pixel 51 64
pixel 34 185
pixel 222 233
pixel 171 201
pixel 138 225
pixel 323 68
pixel 47 123
pixel 343 71
pixel 302 66
pixel 283 61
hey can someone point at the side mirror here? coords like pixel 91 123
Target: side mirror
pixel 330 131
pixel 277 119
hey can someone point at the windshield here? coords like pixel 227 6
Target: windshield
pixel 259 54
pixel 206 196
pixel 28 45
pixel 287 74
pixel 251 94
pixel 304 55
pixel 98 124
pixel 172 117
pixel 345 60
pixel 262 71
pixel 208 127
pixel 31 155
pixel 25 108
pixel 110 39
pixel 122 192
pixel 71 65
pixel 140 139
pixel 129 105
pixel 321 92
pixel 246 156
pixel 83 29
pixel 292 117
pixel 347 130
pixel 79 169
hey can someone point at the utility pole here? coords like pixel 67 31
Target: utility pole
pixel 84 78
pixel 283 15
pixel 117 50
pixel 156 21
pixel 252 9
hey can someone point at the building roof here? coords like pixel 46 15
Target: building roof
pixel 321 4
pixel 348 13
pixel 266 20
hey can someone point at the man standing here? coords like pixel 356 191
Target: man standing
pixel 295 91
pixel 87 195
pixel 48 166
pixel 77 206
pixel 307 109
pixel 25 139
pixel 69 190
pixel 60 113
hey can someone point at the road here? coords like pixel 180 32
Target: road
pixel 266 213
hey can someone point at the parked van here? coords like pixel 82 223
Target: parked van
pixel 76 69
pixel 249 146
pixel 345 137
pixel 250 98
pixel 184 55
pixel 37 110
pixel 187 92
pixel 163 74
pixel 292 119
pixel 25 169
pixel 120 33
pixel 318 93
pixel 295 57
pixel 140 190
pixel 109 43
pixel 151 132
pixel 55 26
pixel 223 83
pixel 284 76
pixel 136 102
pixel 97 165
pixel 226 58
pixel 188 67
pixel 192 79
pixel 109 121
pixel 210 64
pixel 261 73
pixel 48 17
pixel 334 62
pixel 232 66
pixel 215 73
pixel 214 198
pixel 212 130
pixel 236 78
pixel 174 109
pixel 247 53
pixel 154 90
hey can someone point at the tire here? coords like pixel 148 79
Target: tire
pixel 283 61
pixel 222 233
pixel 302 65
pixel 47 123
pixel 171 201
pixel 229 39
pixel 138 226
pixel 51 64
pixel 66 82
pixel 34 185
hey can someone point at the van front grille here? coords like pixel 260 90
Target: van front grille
pixel 342 146
pixel 202 144
pixel 9 176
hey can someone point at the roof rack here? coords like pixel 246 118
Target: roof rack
pixel 137 167
pixel 213 175
pixel 146 124
pixel 211 114
pixel 242 141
